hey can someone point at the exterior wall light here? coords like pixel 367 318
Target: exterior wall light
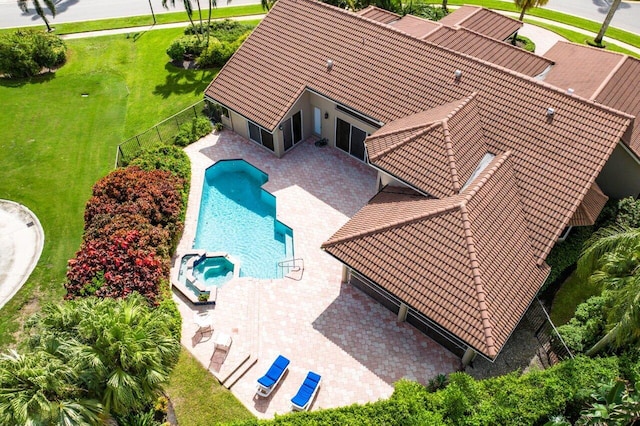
pixel 326 115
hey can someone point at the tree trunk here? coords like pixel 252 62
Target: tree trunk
pixel 444 6
pixel 209 21
pixel 607 21
pixel 522 14
pixel 604 342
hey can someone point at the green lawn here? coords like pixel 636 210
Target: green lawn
pixel 138 21
pixel 56 144
pixel 572 292
pixel 199 399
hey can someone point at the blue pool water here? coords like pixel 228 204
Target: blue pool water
pixel 238 217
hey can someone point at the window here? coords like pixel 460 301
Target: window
pixel 260 135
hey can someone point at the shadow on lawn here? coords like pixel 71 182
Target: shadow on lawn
pixel 19 82
pixel 181 81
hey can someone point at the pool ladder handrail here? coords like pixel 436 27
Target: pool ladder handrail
pixel 292 265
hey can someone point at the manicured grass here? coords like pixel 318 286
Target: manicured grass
pixel 56 144
pixel 198 398
pixel 580 38
pixel 585 24
pixel 162 18
pixel 573 292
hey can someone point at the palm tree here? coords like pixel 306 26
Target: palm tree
pixel 525 5
pixel 212 4
pixel 607 20
pixel 188 7
pixel 38 388
pixel 123 350
pixel 23 5
pixel 612 259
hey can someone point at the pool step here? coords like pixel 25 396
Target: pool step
pixel 236 374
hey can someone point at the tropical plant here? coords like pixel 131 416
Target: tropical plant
pixel 615 404
pixel 24 6
pixel 38 388
pixel 121 350
pixel 188 7
pixel 611 258
pixel 605 24
pixel 525 5
pixel 116 266
pixel 153 194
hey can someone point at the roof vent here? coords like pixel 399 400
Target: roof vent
pixel 457 74
pixel 329 64
pixel 550 112
pixel 570 91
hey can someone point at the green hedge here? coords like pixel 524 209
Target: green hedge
pixel 514 399
pixel 26 52
pixel 191 132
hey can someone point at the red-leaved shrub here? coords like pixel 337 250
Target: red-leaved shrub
pixel 115 267
pixel 153 194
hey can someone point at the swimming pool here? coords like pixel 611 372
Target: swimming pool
pixel 238 217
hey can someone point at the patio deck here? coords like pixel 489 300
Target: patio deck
pixel 354 343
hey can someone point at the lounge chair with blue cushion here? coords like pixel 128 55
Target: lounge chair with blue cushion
pixel 269 381
pixel 307 391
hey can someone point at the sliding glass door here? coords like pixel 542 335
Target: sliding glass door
pixel 350 139
pixel 292 130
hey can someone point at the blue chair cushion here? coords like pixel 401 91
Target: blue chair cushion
pixel 274 372
pixel 307 389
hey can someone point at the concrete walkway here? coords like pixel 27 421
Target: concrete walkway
pixel 145 28
pixel 21 242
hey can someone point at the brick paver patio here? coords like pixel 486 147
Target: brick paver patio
pixel 354 343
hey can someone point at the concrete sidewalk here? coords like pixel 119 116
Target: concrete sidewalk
pixel 145 28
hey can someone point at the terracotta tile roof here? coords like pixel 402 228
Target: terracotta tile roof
pixel 483 21
pixel 622 92
pixel 581 68
pixel 480 234
pixel 590 208
pixel 610 78
pixel 414 26
pixel 386 74
pixel 435 151
pixel 491 50
pixel 378 15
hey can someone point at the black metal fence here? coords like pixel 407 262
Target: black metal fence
pixel 551 347
pixel 161 133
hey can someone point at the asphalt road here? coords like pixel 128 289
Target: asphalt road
pixel 627 17
pixel 87 10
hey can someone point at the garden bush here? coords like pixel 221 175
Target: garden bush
pixel 169 158
pixel 587 326
pixel 185 45
pixel 227 30
pixel 628 212
pixel 152 194
pixel 26 52
pixel 132 224
pixel 216 54
pixel 115 267
pixel 192 131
